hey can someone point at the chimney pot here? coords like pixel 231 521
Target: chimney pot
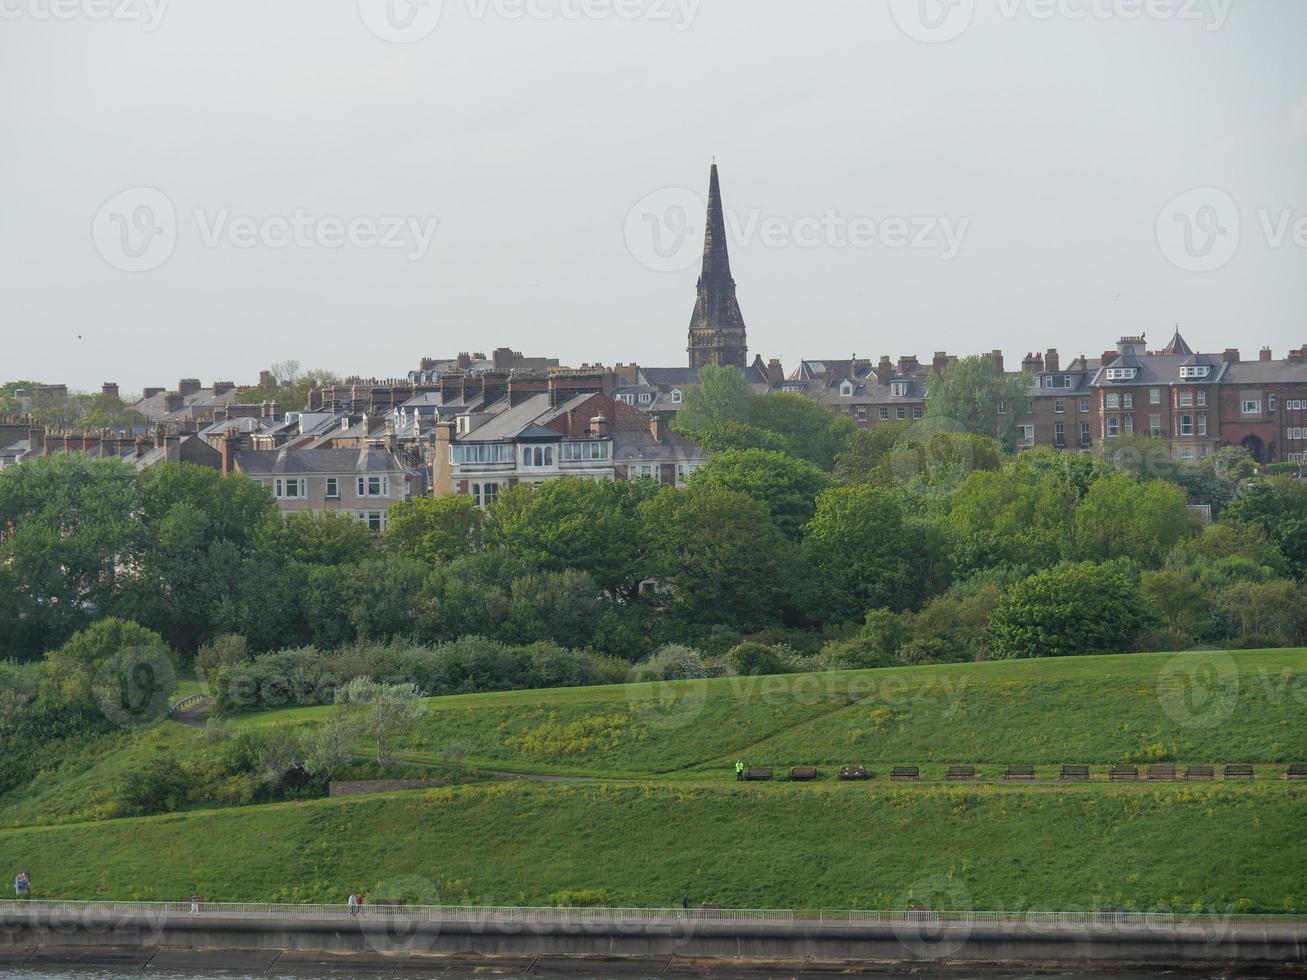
pixel 1266 354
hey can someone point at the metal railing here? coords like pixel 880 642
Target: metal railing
pixel 640 916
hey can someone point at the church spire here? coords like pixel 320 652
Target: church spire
pixel 717 331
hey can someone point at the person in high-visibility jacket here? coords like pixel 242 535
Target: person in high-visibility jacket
pixel 739 772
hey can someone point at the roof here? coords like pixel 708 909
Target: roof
pixel 639 445
pixel 269 462
pixel 1266 373
pixel 1162 369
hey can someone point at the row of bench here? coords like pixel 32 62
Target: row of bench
pixel 1070 774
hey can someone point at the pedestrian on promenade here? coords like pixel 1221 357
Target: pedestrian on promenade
pixel 685 903
pixel 353 904
pixel 23 885
pixel 195 904
pixel 739 772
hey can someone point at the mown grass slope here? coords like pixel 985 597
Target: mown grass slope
pixel 1199 707
pixel 1184 848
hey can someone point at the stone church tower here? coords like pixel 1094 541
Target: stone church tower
pixel 717 334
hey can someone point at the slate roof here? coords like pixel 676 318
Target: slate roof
pixel 1162 369
pixel 327 461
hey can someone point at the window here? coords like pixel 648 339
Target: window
pixel 1127 400
pixel 476 494
pixel 376 521
pixel 1251 407
pixel 464 424
pixel 646 398
pixel 677 397
pixel 1002 408
pixel 898 389
pixel 1113 427
pixel 1129 425
pixel 1121 374
pixel 1187 453
pixel 1297 434
pixel 1025 436
pixel 292 488
pixel 1185 399
pixel 1155 396
pixel 1271 402
pixel 484 452
pixel 590 451
pixel 333 488
pixel 489 493
pixel 1202 424
pixel 1084 405
pixel 860 414
pixel 918 412
pixel 1059 407
pixel 644 471
pixel 684 471
pixel 1085 436
pixel 900 412
pixel 1186 425
pixel 537 456
pixel 1195 371
pixel 627 399
pixel 1113 400
pixel 1059 434
pixel 884 414
pixel 373 486
pixel 1155 426
pixel 846 390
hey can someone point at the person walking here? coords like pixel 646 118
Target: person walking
pixel 195 904
pixel 23 885
pixel 685 903
pixel 353 904
pixel 739 772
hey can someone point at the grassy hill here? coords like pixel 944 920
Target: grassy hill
pixel 1200 707
pixel 663 814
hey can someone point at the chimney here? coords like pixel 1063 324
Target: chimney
pixel 1033 364
pixel 657 428
pixel 173 401
pixel 1298 356
pixel 1266 354
pixel 189 386
pixel 939 361
pixel 908 364
pixel 267 381
pixel 884 370
pixel 36 440
pixel 996 358
pixel 464 360
pixel 231 444
pixel 314 402
pixel 109 389
pixel 172 447
pixel 853 367
pixel 273 409
pixel 1108 357
pixel 442 471
pixel 151 392
pixel 775 372
pixel 1231 355
pixel 222 387
pixel 391 439
pixel 1052 361
pixel 599 427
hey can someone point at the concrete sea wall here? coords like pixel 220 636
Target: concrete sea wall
pixel 386 939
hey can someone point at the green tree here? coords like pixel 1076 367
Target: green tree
pixel 1180 606
pixel 1066 611
pixel 864 551
pixel 721 554
pixel 788 486
pixel 436 529
pixel 866 450
pixel 1008 518
pixel 973 393
pixel 1278 505
pixel 722 395
pixel 810 431
pixel 1122 518
pixel 384 713
pixel 76 667
pixel 588 525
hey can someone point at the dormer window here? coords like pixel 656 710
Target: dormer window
pixel 1122 374
pixel 1195 371
pixel 899 389
pixel 677 397
pixel 846 389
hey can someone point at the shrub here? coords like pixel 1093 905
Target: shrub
pixel 159 786
pixel 754 659
pixel 673 662
pixel 549 665
pixel 290 678
pixel 227 650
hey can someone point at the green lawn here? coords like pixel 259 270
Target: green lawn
pixel 1180 847
pixel 663 813
pixel 1100 710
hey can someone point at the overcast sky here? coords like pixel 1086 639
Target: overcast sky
pixel 204 187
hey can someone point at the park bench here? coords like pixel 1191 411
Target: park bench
pixel 905 774
pixel 1239 772
pixel 962 773
pixel 1296 772
pixel 757 775
pixel 1074 774
pixel 1161 772
pixel 803 774
pixel 1123 774
pixel 1199 772
pixel 853 773
pixel 1020 774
